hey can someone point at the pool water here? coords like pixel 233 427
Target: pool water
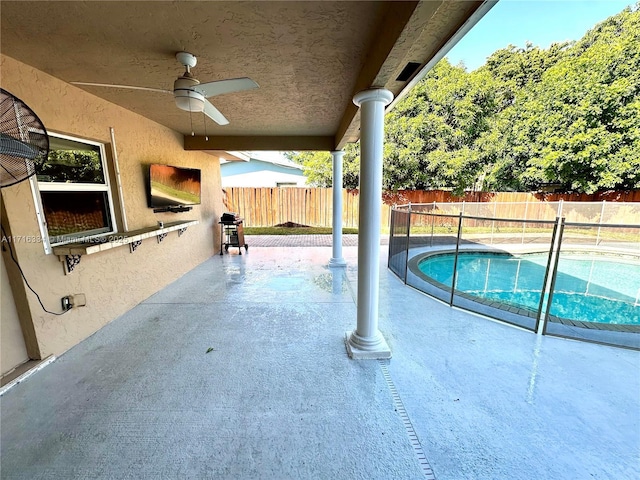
pixel 595 288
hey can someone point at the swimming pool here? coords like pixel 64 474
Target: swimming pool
pixel 589 288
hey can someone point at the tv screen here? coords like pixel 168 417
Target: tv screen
pixel 173 186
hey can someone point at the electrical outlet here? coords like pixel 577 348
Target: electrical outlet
pixel 74 301
pixel 66 303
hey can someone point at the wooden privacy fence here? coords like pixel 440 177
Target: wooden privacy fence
pixel 265 207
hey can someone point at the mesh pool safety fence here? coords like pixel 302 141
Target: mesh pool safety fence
pixel 541 272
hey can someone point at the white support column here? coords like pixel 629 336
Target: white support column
pixel 337 260
pixel 366 341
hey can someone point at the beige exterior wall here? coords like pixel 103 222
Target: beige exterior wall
pixel 115 280
pixel 13 351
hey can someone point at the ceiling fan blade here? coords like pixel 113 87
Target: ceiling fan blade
pixel 108 85
pixel 214 114
pixel 220 87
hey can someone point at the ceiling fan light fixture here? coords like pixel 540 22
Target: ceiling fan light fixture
pixel 189 101
pixel 191 95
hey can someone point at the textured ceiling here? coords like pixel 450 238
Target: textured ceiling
pixel 309 58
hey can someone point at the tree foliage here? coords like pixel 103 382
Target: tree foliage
pixel 318 166
pixel 577 125
pixel 76 166
pixel 567 116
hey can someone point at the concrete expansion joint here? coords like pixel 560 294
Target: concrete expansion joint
pixel 406 421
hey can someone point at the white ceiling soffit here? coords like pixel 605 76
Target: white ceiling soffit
pixel 233 156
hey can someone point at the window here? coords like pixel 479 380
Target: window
pixel 74 190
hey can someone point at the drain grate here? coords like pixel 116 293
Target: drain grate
pixel 413 437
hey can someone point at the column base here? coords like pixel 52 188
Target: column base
pixel 337 262
pixel 360 348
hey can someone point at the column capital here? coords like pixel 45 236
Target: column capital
pixel 373 95
pixel 337 153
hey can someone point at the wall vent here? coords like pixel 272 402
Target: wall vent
pixel 408 71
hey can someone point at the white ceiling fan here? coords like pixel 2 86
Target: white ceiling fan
pixel 189 93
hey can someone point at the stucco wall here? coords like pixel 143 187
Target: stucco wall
pixel 115 280
pixel 13 351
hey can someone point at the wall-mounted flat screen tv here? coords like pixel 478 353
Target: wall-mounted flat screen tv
pixel 173 186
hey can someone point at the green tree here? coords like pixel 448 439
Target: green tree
pixel 431 134
pixel 515 68
pixel 81 166
pixel 578 126
pixel 317 166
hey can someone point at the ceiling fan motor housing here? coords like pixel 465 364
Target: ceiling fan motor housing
pixel 186 97
pixel 187 59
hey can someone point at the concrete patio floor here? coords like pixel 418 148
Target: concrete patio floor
pixel 277 397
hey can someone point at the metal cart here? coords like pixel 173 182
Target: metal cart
pixel 232 231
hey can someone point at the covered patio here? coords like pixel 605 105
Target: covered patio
pixel 142 87
pixel 276 396
pixel 181 363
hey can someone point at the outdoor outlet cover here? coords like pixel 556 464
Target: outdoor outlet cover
pixel 79 300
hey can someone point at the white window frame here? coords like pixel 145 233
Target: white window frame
pixel 76 187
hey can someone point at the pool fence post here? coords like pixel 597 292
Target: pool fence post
pixel 524 223
pixel 543 290
pixel 553 277
pixel 455 261
pixel 433 219
pixel 406 260
pixel 392 222
pixel 493 222
pixel 600 223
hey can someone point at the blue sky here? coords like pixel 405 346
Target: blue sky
pixel 542 22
